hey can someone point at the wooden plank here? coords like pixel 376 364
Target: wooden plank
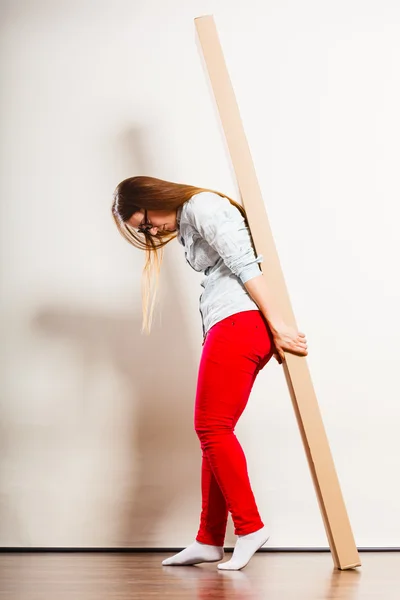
pixel 319 457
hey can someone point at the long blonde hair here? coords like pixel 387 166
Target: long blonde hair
pixel 150 193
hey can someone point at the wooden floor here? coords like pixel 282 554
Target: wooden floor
pixel 269 576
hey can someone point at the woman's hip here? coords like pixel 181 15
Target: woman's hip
pixel 242 336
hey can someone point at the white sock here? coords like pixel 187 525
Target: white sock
pixel 194 554
pixel 245 547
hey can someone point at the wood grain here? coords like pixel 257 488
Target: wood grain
pixel 138 576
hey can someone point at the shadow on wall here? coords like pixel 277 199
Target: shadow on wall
pixel 159 375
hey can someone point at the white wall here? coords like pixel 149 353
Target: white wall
pixel 96 440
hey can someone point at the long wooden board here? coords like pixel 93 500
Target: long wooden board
pixel 326 483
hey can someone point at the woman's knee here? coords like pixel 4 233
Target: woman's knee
pixel 207 428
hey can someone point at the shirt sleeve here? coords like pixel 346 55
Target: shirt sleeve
pixel 223 227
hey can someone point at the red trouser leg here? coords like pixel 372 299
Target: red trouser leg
pixel 235 350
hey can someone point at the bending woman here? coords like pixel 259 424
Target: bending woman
pixel 242 331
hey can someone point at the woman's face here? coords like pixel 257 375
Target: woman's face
pixel 160 220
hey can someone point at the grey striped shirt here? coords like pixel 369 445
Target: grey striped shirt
pixel 218 243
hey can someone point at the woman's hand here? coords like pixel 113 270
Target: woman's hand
pixel 288 339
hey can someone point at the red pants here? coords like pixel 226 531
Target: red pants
pixel 235 350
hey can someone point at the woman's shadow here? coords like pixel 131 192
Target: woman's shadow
pixel 159 372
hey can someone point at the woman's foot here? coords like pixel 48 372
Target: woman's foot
pixel 194 554
pixel 245 547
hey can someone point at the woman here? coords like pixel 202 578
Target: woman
pixel 242 330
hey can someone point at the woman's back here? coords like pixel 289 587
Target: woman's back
pixel 218 243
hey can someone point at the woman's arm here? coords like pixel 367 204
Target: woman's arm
pixel 222 226
pixel 259 291
pixel 286 338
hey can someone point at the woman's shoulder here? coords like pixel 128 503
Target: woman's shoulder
pixel 196 205
pixel 208 203
pixel 206 197
pixel 208 208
